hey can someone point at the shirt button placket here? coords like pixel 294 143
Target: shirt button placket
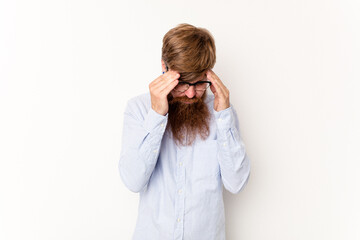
pixel 180 196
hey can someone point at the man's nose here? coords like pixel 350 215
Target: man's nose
pixel 190 93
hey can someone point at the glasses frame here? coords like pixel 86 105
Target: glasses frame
pixel 190 84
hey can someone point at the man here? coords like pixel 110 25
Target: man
pixel 180 145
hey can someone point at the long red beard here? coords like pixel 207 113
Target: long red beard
pixel 187 121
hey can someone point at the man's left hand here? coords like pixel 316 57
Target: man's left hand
pixel 221 93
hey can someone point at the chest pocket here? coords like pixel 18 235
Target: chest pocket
pixel 205 163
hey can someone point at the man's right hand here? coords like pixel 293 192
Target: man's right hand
pixel 160 88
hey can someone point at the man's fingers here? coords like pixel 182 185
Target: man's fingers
pixel 213 89
pixel 220 88
pixel 170 87
pixel 162 85
pixel 165 79
pixel 156 81
pixel 163 88
pixel 216 86
pixel 212 79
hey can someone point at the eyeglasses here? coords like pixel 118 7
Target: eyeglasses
pixel 182 86
pixel 199 86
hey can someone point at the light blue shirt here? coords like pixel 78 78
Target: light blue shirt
pixel 181 187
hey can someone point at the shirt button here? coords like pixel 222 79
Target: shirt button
pixel 178 219
pixel 180 191
pixel 220 119
pixel 155 151
pixel 180 163
pixel 224 144
pixel 162 124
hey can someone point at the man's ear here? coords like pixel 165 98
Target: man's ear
pixel 163 66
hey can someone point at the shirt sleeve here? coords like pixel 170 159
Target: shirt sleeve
pixel 233 160
pixel 141 141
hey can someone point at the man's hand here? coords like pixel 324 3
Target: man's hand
pixel 221 93
pixel 160 88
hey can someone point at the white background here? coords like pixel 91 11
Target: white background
pixel 67 69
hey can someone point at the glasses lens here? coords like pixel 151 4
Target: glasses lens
pixel 202 86
pixel 182 87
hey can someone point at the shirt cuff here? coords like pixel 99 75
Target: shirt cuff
pixel 225 118
pixel 155 122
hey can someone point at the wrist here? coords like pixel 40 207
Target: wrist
pixel 161 112
pixel 219 107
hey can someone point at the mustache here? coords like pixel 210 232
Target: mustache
pixel 184 99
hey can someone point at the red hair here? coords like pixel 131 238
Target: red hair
pixel 189 50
